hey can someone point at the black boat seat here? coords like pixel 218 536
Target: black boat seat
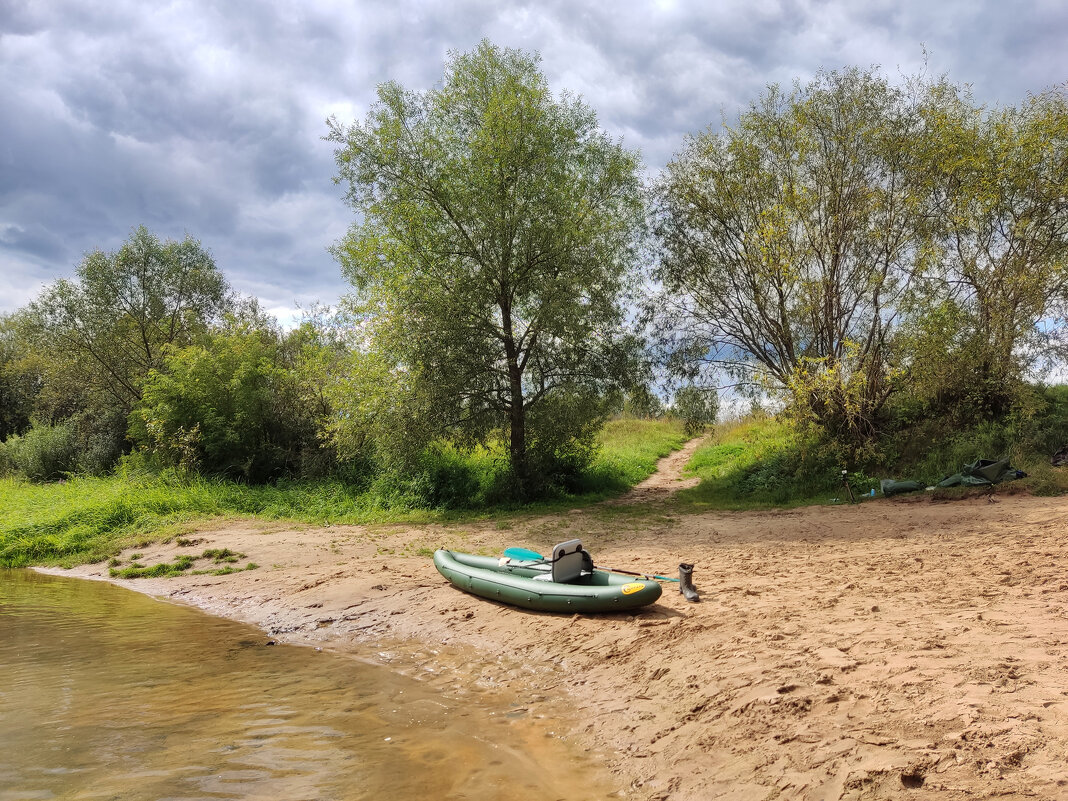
pixel 569 561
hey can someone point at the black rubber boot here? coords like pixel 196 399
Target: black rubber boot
pixel 689 592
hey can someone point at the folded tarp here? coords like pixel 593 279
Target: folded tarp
pixel 982 473
pixel 961 480
pixel 989 469
pixel 890 487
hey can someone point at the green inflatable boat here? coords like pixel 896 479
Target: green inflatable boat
pixel 566 583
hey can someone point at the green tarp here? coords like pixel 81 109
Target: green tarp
pixel 891 487
pixel 981 473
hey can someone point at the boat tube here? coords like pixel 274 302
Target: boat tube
pixel 530 584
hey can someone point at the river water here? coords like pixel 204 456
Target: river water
pixel 108 694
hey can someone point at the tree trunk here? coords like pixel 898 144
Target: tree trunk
pixel 517 415
pixel 517 446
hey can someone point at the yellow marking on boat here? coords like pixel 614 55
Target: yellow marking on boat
pixel 630 589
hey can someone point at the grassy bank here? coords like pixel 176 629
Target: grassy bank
pixel 629 452
pixel 758 463
pixel 763 462
pixel 89 518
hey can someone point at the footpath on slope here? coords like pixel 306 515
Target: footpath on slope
pixel 665 481
pixel 838 652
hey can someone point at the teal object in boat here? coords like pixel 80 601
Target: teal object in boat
pixel 567 583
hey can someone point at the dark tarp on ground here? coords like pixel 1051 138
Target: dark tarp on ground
pixel 982 473
pixel 890 487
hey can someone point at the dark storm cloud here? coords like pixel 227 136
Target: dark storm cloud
pixel 207 117
pixel 185 121
pixel 660 70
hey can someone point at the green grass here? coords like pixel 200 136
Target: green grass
pixel 87 519
pixel 629 452
pixel 760 463
pixel 181 564
pixel 220 555
pixel 764 463
pixel 163 569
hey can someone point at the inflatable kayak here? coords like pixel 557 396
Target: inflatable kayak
pixel 548 586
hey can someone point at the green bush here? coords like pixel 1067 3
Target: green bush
pixel 231 407
pixel 99 453
pixel 446 478
pixel 1050 429
pixel 44 453
pixel 933 448
pixel 562 442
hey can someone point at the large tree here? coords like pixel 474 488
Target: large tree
pixel 787 241
pixel 497 229
pixel 996 181
pixel 104 331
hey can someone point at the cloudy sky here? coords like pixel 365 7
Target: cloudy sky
pixel 206 117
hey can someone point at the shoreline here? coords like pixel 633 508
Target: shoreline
pixel 838 652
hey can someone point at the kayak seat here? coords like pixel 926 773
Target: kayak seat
pixel 569 561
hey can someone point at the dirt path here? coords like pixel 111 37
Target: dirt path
pixel 666 480
pixel 892 649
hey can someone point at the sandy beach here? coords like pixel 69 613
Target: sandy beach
pixel 897 648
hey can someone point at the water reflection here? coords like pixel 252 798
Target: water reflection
pixel 105 694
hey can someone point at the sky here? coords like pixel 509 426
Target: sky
pixel 207 118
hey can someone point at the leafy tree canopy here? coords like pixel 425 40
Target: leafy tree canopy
pixel 850 239
pixel 19 384
pixel 108 328
pixel 495 245
pixel 787 240
pixel 996 190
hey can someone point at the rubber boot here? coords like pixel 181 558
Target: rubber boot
pixel 689 592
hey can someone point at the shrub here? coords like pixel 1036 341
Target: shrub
pixel 44 453
pixel 99 453
pixel 230 407
pixel 935 447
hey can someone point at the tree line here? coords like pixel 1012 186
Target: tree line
pixel 862 253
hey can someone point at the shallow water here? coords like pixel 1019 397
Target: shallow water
pixel 107 694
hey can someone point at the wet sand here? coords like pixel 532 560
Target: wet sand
pixel 898 648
